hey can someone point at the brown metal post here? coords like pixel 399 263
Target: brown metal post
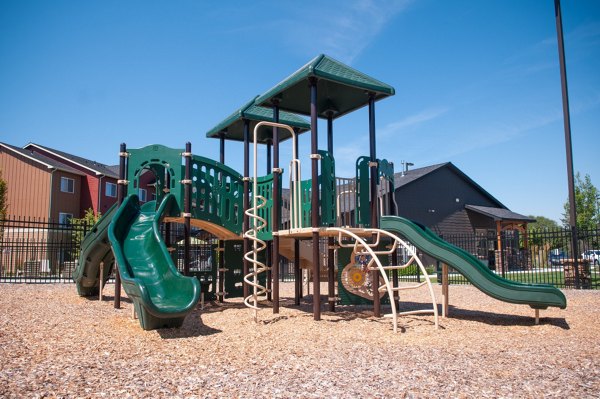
pixel 121 194
pixel 568 145
pixel 314 148
pixel 187 206
pixel 246 201
pixel 374 179
pixel 297 272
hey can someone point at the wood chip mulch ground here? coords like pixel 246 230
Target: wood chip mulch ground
pixel 54 343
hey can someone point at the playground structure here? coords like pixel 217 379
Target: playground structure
pixel 356 216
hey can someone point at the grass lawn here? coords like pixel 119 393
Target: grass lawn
pixel 553 277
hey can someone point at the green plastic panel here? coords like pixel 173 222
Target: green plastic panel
pixel 234 265
pixel 217 194
pixel 328 189
pixel 158 159
pixel 327 193
pixel 265 189
pixel 363 205
pixel 538 296
pixel 386 170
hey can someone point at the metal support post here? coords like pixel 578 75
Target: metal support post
pixel 121 194
pixel 187 206
pixel 314 147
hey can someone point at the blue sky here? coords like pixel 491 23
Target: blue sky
pixel 477 82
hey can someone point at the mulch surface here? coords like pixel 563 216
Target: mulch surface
pixel 54 343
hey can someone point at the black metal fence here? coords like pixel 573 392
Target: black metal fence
pixel 38 251
pixel 536 256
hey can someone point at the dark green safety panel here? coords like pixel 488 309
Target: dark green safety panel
pixel 327 185
pixel 386 170
pixel 164 162
pixel 217 194
pixel 265 189
pixel 234 265
pixel 327 193
pixel 363 206
pixel 208 276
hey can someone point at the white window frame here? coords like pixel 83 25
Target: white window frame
pixel 107 193
pixel 64 179
pixel 142 194
pixel 64 218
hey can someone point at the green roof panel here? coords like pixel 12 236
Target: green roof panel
pixel 340 88
pixel 233 126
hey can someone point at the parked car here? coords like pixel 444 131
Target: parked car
pixel 593 255
pixel 556 258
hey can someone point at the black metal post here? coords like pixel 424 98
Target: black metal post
pixel 121 194
pixel 374 179
pixel 568 145
pixel 297 273
pixel 222 147
pixel 314 149
pixel 187 206
pixel 246 201
pixel 330 240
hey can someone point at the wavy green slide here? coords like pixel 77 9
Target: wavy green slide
pixel 162 297
pixel 538 296
pixel 95 248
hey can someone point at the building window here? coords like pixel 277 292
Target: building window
pixel 64 218
pixel 111 190
pixel 142 194
pixel 67 185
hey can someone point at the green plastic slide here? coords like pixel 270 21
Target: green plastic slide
pixel 162 297
pixel 538 296
pixel 95 249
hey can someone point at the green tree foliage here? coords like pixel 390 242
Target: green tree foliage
pixel 3 197
pixel 586 204
pixel 543 223
pixel 83 224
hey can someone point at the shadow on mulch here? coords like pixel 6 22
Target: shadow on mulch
pixel 192 327
pixel 499 319
pixel 108 298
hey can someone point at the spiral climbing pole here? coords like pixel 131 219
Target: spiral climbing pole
pixel 259 291
pixel 258 223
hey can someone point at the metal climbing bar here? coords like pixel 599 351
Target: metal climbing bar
pixel 259 223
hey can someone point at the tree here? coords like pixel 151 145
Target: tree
pixel 3 198
pixel 586 204
pixel 542 223
pixel 88 220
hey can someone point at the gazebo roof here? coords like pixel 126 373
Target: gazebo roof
pixel 340 89
pixel 233 126
pixel 500 214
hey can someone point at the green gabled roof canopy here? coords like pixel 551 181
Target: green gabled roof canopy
pixel 232 127
pixel 340 89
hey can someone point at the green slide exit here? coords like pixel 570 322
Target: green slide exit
pixel 538 296
pixel 161 295
pixel 95 248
